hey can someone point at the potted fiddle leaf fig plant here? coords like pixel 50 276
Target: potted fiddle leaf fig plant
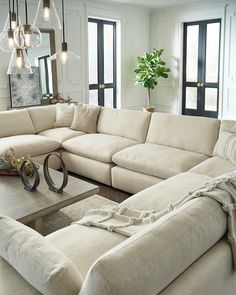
pixel 150 68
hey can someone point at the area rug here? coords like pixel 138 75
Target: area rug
pixel 72 213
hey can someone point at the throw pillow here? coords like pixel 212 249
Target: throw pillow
pixel 226 146
pixel 64 114
pixel 41 264
pixel 85 118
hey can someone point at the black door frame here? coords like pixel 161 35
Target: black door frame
pixel 101 86
pixel 200 111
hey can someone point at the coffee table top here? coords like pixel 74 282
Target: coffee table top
pixel 25 206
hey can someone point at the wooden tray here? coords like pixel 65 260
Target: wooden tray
pixel 9 172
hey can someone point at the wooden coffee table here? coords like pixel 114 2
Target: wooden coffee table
pixel 29 207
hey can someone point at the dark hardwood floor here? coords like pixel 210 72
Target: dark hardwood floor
pixel 107 191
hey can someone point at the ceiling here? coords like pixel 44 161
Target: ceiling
pixel 153 3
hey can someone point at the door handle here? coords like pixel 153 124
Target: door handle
pixel 200 85
pixel 102 86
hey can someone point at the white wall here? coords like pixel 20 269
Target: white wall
pixel 167 33
pixel 135 33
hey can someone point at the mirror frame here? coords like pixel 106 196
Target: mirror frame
pixel 51 33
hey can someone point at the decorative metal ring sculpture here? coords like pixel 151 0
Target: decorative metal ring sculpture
pixel 48 179
pixel 24 177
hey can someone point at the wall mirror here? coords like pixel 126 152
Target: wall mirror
pixel 36 89
pixel 39 57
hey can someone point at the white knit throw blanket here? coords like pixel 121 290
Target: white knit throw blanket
pixel 128 222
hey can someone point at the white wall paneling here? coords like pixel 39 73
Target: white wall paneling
pixel 229 93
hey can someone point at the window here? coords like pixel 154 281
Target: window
pixel 201 68
pixel 102 62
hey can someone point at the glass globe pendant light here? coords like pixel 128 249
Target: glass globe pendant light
pixel 19 62
pixel 64 54
pixel 6 36
pixel 47 16
pixel 31 34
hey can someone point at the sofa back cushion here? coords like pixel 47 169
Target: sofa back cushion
pixel 228 125
pixel 37 261
pixel 85 118
pixel 196 134
pixel 226 146
pixel 15 123
pixel 126 123
pixel 64 114
pixel 43 117
pixel 150 260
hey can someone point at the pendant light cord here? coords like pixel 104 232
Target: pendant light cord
pixel 10 15
pixel 17 12
pixel 26 12
pixel 13 6
pixel 63 20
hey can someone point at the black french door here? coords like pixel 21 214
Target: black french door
pixel 102 62
pixel 201 68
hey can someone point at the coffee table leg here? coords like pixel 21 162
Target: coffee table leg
pixel 36 224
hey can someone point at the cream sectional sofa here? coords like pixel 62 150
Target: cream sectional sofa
pixel 131 150
pixel 184 252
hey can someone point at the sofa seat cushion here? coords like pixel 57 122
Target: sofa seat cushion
pixel 83 245
pixel 214 167
pixel 61 134
pixel 33 145
pixel 100 147
pixel 159 196
pixel 157 160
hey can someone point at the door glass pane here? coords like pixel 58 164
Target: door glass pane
pixel 192 53
pixel 191 98
pixel 212 52
pixel 108 54
pixel 93 53
pixel 108 97
pixel 93 97
pixel 211 99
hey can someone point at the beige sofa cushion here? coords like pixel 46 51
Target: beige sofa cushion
pixel 61 134
pixel 157 160
pixel 15 123
pixel 64 114
pixel 100 147
pixel 226 146
pixel 214 167
pixel 160 195
pixel 150 260
pixel 85 118
pixel 228 125
pixel 38 262
pixel 126 123
pixel 83 245
pixel 190 133
pixel 33 145
pixel 43 117
pixel 213 271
